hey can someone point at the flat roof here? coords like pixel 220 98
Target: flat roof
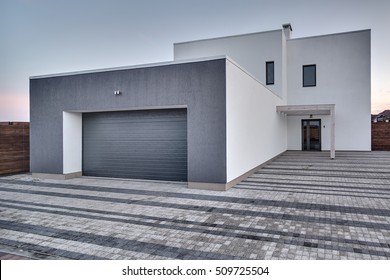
pixel 228 36
pixel 149 65
pixel 182 61
pixel 275 30
pixel 331 34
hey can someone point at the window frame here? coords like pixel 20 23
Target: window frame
pixel 266 73
pixel 315 75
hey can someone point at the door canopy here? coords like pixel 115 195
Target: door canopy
pixel 317 109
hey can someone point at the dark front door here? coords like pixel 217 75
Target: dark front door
pixel 311 135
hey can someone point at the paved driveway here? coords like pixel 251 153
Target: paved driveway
pixel 301 206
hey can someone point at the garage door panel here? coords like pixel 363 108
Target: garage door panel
pixel 136 144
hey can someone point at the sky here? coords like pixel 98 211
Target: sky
pixel 54 36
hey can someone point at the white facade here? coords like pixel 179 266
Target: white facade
pixel 343 75
pixel 249 51
pixel 253 136
pixel 343 78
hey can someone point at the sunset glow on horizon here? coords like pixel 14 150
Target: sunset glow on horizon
pixel 14 108
pixel 44 36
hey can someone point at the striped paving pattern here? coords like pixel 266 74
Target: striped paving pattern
pixel 300 206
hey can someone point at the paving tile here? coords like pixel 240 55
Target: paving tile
pixel 302 205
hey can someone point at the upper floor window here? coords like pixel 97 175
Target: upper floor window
pixel 270 72
pixel 309 75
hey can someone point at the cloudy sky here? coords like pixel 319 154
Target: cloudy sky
pixel 54 36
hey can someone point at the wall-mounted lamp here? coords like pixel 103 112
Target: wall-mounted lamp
pixel 117 92
pixel 311 116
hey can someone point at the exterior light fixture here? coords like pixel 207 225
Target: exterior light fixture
pixel 117 92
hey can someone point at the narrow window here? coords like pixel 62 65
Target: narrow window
pixel 309 75
pixel 269 70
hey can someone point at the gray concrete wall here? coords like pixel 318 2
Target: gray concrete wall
pixel 201 86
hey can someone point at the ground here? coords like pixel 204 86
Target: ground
pixel 303 205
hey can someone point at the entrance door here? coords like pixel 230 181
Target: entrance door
pixel 311 135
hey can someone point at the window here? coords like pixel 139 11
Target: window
pixel 309 75
pixel 269 72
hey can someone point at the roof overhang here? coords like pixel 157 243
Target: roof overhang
pixel 303 110
pixel 318 109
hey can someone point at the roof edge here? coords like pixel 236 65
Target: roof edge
pixel 139 66
pixel 251 75
pixel 331 34
pixel 227 37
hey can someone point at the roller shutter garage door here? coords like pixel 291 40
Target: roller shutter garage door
pixel 148 144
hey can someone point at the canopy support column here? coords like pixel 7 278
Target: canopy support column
pixel 332 134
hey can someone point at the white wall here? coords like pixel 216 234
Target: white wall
pixel 343 78
pixel 255 132
pixel 72 142
pixel 251 51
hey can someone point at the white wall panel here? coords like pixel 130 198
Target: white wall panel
pixel 250 51
pixel 343 78
pixel 255 132
pixel 72 142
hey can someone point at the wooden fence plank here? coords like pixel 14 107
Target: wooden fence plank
pixel 380 136
pixel 14 148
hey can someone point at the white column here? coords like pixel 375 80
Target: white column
pixel 72 142
pixel 332 133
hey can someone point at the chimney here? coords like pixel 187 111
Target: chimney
pixel 287 30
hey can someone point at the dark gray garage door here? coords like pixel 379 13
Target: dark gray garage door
pixel 148 144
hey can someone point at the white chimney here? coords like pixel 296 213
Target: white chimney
pixel 287 30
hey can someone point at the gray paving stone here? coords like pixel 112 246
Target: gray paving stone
pixel 300 206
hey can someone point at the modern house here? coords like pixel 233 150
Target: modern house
pixel 219 111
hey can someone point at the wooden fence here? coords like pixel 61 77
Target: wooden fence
pixel 380 136
pixel 14 147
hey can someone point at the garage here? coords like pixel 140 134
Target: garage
pixel 145 144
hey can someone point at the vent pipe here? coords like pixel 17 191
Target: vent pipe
pixel 287 30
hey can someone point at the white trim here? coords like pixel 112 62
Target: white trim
pixel 130 109
pixel 332 34
pixel 297 110
pixel 174 62
pixel 228 37
pixel 250 75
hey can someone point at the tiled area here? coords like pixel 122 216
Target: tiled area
pixel 11 256
pixel 301 206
